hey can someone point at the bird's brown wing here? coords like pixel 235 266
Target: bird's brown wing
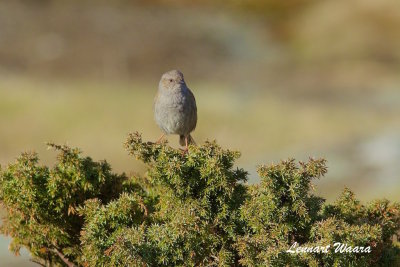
pixel 193 110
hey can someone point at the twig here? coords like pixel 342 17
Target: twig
pixel 143 206
pixel 64 259
pixel 37 262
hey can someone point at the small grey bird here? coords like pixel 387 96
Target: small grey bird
pixel 175 110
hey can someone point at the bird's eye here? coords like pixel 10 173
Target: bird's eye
pixel 170 80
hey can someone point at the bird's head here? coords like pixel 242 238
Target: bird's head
pixel 171 80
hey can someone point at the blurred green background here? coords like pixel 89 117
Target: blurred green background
pixel 273 79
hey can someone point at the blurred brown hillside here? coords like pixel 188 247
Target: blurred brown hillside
pixel 349 44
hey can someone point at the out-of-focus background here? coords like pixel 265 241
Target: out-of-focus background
pixel 273 79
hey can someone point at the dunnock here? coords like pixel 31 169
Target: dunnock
pixel 175 110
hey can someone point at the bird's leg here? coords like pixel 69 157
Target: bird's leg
pixel 159 139
pixel 186 149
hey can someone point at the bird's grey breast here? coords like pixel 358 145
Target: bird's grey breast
pixel 173 111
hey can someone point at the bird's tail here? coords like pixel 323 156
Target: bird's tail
pixel 182 140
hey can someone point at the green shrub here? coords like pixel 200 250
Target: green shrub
pixel 193 209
